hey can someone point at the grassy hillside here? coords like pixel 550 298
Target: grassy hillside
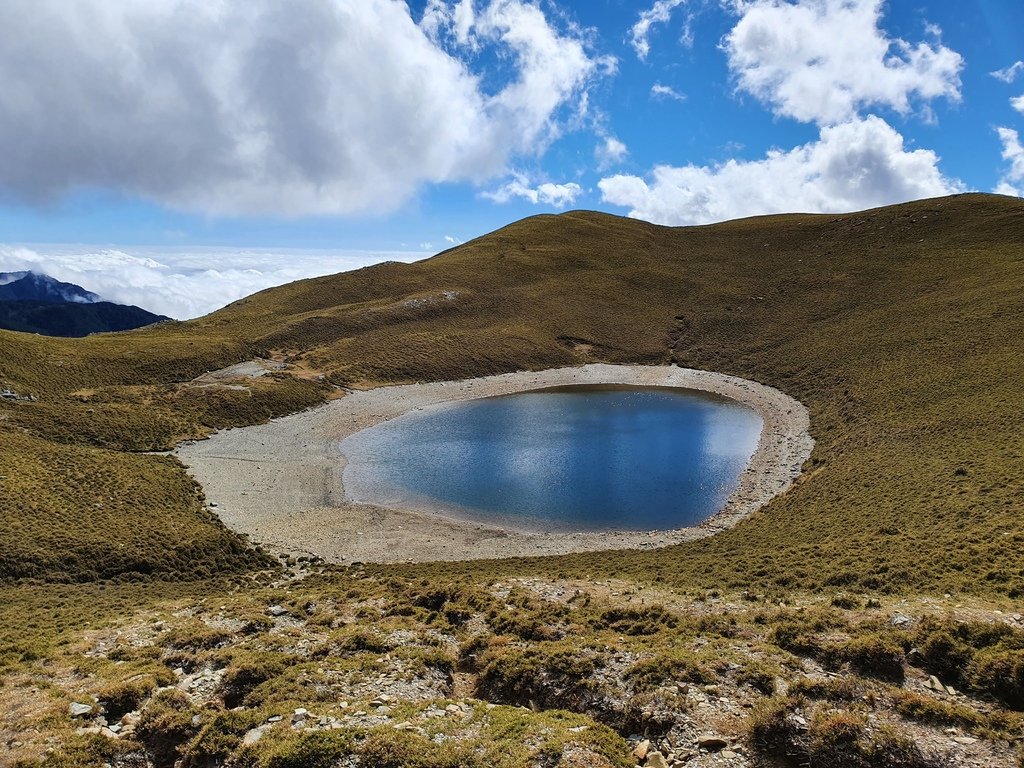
pixel 902 329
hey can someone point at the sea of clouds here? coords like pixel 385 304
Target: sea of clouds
pixel 181 282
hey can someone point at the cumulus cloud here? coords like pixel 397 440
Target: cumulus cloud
pixel 1009 74
pixel 255 107
pixel 548 193
pixel 1012 182
pixel 855 165
pixel 181 283
pixel 659 91
pixel 609 152
pixel 1017 103
pixel 823 61
pixel 659 13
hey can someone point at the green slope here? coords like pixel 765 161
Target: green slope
pixel 901 328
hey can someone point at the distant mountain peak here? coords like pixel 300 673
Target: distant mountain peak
pixel 33 286
pixel 32 302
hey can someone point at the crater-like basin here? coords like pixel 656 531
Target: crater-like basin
pixel 286 485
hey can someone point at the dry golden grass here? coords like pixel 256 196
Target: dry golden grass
pixel 901 328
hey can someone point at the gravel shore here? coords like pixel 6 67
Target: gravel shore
pixel 281 482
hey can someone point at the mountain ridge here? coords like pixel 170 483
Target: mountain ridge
pixel 32 302
pixel 35 286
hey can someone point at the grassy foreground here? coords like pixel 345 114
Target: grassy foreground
pixel 901 329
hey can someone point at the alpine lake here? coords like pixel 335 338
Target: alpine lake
pixel 580 458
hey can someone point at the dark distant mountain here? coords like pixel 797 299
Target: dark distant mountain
pixel 36 303
pixel 32 286
pixel 72 319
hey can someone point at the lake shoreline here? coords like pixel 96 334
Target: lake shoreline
pixel 280 483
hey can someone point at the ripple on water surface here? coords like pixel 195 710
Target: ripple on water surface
pixel 572 458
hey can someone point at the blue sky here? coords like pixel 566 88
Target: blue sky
pixel 176 154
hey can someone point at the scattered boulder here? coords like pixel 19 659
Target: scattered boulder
pixel 78 709
pixel 277 610
pixel 641 750
pixel 656 760
pixel 935 684
pixel 711 742
pixel 252 736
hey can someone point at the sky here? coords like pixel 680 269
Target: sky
pixel 180 154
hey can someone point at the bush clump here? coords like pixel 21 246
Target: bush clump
pixel 871 655
pixel 118 699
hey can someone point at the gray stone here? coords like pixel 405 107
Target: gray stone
pixel 251 737
pixel 656 760
pixel 80 710
pixel 935 684
pixel 711 742
pixel 277 610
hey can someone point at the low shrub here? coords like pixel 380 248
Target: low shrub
pixel 118 699
pixel 676 668
pixel 1000 674
pixel 872 655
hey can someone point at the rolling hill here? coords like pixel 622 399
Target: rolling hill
pixel 901 328
pixel 898 327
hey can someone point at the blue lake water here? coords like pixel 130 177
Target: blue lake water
pixel 573 458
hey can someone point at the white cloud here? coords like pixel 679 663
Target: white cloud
pixel 557 195
pixel 609 152
pixel 659 91
pixel 659 13
pixel 1017 102
pixel 1012 182
pixel 1009 74
pixel 856 165
pixel 824 60
pixel 182 283
pixel 258 107
pixel 451 240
